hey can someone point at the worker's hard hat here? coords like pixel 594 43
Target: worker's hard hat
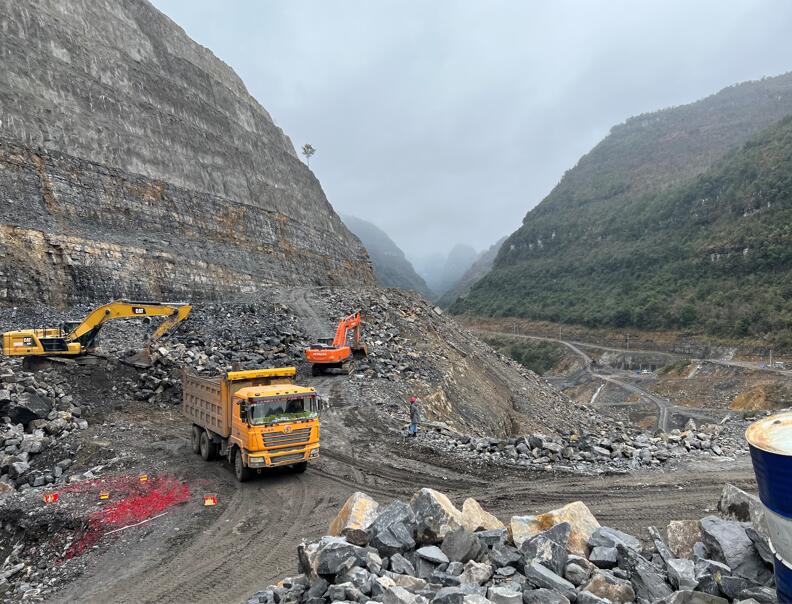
pixel 413 399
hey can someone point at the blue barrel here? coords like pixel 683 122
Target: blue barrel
pixel 770 441
pixel 783 576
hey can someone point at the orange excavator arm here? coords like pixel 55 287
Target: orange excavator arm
pixel 347 323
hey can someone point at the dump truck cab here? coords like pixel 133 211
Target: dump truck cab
pixel 274 424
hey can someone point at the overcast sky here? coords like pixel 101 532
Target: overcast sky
pixel 445 121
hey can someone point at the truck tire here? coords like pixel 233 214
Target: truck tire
pixel 208 448
pixel 195 439
pixel 299 468
pixel 241 471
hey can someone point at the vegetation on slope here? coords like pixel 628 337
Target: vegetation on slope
pixel 714 253
pixel 537 356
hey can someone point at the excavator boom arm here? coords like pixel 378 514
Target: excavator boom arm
pixel 350 322
pixel 124 309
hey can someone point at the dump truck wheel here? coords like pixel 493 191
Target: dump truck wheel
pixel 301 467
pixel 242 473
pixel 195 439
pixel 208 448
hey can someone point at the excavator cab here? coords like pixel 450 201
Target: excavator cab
pixel 323 343
pixel 68 326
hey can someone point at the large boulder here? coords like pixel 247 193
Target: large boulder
pixel 543 596
pixel 27 408
pixel 461 545
pixel 682 536
pixel 647 582
pixel 682 574
pixel 476 573
pixel 606 536
pixel 541 577
pixel 399 595
pixel 736 504
pixel 502 594
pixel 354 519
pixel 546 550
pixel 475 518
pixel 729 543
pixel 328 556
pixel 393 530
pixel 435 516
pixel 582 523
pixel 609 587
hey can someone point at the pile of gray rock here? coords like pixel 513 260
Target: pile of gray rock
pixel 428 550
pixel 216 338
pixel 37 414
pixel 604 446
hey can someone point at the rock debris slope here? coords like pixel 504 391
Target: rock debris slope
pixel 134 162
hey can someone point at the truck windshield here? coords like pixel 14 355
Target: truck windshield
pixel 265 411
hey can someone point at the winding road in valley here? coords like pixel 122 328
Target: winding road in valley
pixel 664 406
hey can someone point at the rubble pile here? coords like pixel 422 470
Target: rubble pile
pixel 215 339
pixel 37 414
pixel 428 550
pixel 460 379
pixel 599 446
pixel 33 548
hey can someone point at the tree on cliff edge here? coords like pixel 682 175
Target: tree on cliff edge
pixel 308 150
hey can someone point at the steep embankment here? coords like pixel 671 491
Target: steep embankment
pixel 134 162
pixel 676 219
pixel 391 267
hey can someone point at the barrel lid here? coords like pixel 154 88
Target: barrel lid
pixel 772 434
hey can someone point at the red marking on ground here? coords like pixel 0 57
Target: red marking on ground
pixel 140 501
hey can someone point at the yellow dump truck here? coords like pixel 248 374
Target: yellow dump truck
pixel 255 419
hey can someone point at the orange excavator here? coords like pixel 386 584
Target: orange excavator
pixel 336 353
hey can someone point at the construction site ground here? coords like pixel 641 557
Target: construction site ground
pixel 223 553
pixel 189 552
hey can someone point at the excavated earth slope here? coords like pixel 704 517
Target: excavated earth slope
pixel 134 162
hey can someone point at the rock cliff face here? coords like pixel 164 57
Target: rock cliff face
pixel 134 162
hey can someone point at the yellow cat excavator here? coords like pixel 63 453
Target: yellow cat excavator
pixel 76 338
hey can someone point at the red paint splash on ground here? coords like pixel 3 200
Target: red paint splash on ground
pixel 131 502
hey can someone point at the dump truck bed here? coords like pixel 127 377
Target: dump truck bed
pixel 203 403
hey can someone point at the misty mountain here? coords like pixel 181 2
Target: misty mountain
pixel 478 269
pixel 391 267
pixel 443 272
pixel 677 219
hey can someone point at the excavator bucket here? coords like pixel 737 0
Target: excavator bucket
pixel 141 359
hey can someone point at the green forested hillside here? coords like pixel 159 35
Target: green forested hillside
pixel 710 252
